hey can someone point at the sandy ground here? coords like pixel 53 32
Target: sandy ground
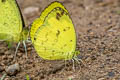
pixel 97 24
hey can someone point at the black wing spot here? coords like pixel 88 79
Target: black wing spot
pixel 70 40
pixel 62 52
pixel 60 8
pixel 62 13
pixel 64 30
pixel 5 23
pixel 35 39
pixel 68 28
pixel 50 57
pixel 53 50
pixel 3 0
pixel 58 16
pixel 58 33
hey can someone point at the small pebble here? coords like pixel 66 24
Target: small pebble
pixel 2 50
pixel 111 74
pixel 1 68
pixel 13 69
pixel 19 54
pixel 29 48
pixel 30 10
pixel 11 57
pixel 4 57
pixel 7 52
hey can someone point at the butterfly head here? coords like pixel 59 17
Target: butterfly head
pixel 25 34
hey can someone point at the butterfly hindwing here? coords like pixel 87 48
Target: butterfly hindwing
pixel 10 19
pixel 55 38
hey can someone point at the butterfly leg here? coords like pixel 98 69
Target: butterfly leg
pixel 80 60
pixel 77 60
pixel 73 64
pixel 16 50
pixel 3 77
pixel 65 63
pixel 25 48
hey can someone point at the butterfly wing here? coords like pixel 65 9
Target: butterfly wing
pixel 53 34
pixel 10 20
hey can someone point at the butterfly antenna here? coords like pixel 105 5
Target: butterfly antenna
pixel 16 50
pixel 25 48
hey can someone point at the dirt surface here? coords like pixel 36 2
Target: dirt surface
pixel 97 24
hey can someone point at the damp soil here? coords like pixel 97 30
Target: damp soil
pixel 97 24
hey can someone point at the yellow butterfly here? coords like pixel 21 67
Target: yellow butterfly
pixel 11 23
pixel 53 34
